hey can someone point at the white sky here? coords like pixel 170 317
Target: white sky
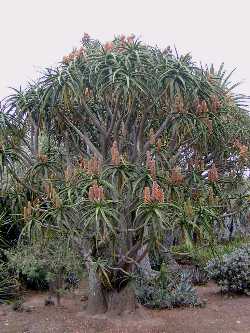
pixel 37 33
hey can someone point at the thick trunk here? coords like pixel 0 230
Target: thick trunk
pixel 96 298
pixel 111 302
pixel 122 302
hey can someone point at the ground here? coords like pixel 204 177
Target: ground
pixel 221 315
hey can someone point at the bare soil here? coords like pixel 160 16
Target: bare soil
pixel 222 314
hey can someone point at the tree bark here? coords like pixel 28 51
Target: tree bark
pixel 123 302
pixel 36 141
pixel 111 302
pixel 96 298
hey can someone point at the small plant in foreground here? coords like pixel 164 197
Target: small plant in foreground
pixel 167 290
pixel 232 271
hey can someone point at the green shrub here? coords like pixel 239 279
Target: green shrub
pixel 29 266
pixel 38 264
pixel 232 271
pixel 201 255
pixel 168 290
pixel 8 283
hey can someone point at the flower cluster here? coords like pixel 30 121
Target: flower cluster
pixel 196 164
pixel 213 175
pixel 209 123
pixel 92 166
pixel 215 103
pixel 129 39
pixel 96 193
pixel 74 55
pixel 179 105
pixel 122 40
pixel 108 47
pixel 155 195
pixel 52 195
pixel 159 145
pixel 116 158
pixel 151 136
pixel 176 176
pixel 201 107
pixel 43 158
pixel 27 211
pixel 243 149
pixel 150 163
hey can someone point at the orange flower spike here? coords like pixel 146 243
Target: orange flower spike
pixel 215 103
pixel 65 60
pixel 101 193
pixel 204 106
pixel 243 151
pixel 159 144
pixel 152 169
pixel 151 136
pixel 91 193
pixel 95 165
pixel 148 158
pixel 155 189
pixel 199 108
pixel 146 195
pixel 236 144
pixel 161 198
pixel 213 175
pixel 131 38
pixel 108 46
pixel 176 176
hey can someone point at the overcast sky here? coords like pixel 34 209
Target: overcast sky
pixel 37 33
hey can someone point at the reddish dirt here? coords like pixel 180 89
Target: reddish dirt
pixel 221 315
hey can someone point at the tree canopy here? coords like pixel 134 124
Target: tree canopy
pixel 119 144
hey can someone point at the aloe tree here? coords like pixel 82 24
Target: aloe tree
pixel 147 142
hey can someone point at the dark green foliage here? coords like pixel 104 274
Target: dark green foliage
pixel 168 290
pixel 147 142
pixel 8 283
pixel 232 271
pixel 39 264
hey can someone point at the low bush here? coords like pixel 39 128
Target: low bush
pixel 8 283
pixel 232 271
pixel 167 290
pixel 201 255
pixel 38 266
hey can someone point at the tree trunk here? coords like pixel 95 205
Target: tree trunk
pixel 111 302
pixel 96 298
pixel 123 302
pixel 36 140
